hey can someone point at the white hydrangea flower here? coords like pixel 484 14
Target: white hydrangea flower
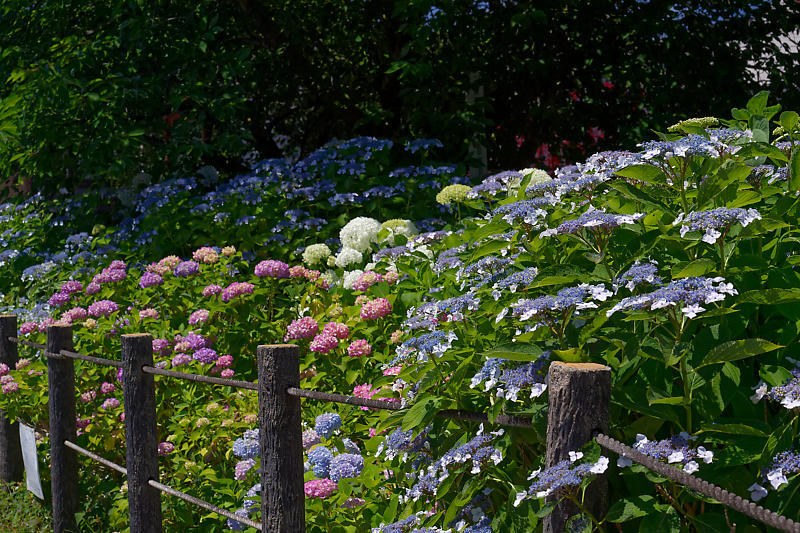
pixel 359 233
pixel 348 256
pixel 397 226
pixel 316 253
pixel 350 277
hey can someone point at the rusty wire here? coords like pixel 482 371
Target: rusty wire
pixel 95 457
pixel 27 343
pixel 726 498
pixel 341 398
pixel 204 504
pixel 89 358
pixel 200 378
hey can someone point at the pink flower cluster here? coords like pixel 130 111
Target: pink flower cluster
pixel 365 391
pixel 205 255
pixel 391 277
pixel 71 287
pixel 110 403
pixel 165 447
pixel 103 308
pixel 336 329
pixel 27 327
pixel 107 388
pixel 302 328
pixel 297 271
pixel 148 313
pixel 199 317
pixel 235 289
pixel 272 269
pixel 392 371
pixel 114 272
pixel 366 280
pixel 76 313
pixel 323 343
pixel 164 266
pixel 212 290
pixel 377 308
pixel 88 396
pixel 320 488
pixel 359 348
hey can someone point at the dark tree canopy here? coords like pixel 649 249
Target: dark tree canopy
pixel 101 91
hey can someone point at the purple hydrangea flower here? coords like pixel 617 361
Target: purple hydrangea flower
pixel 327 423
pixel 186 268
pixel 103 308
pixel 205 355
pixel 272 268
pixel 150 279
pixel 346 465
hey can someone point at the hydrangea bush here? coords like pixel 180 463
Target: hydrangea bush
pixel 675 265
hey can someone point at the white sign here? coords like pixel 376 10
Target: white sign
pixel 27 440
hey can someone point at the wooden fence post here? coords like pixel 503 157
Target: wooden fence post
pixel 10 450
pixel 61 402
pixel 282 496
pixel 141 434
pixel 579 396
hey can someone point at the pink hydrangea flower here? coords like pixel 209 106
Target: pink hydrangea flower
pixel 22 363
pixel 205 255
pixel 6 379
pixel 171 261
pixel 392 371
pixel 92 288
pixel 359 348
pixel 161 346
pixel 312 275
pixel 353 502
pixel 336 329
pixel 241 469
pixel 71 287
pixel 366 280
pixel 272 268
pixel 365 391
pixel 236 289
pixel 59 299
pixel 391 277
pixel 199 317
pixel 377 308
pixel 225 361
pixel 323 343
pixel 181 359
pixel 159 268
pixel 4 369
pixel 397 336
pixel 302 328
pixel 150 279
pixel 76 313
pixel 45 323
pixel 297 271
pixel 10 387
pixel 110 403
pixel 320 488
pixel 148 313
pixel 117 265
pixel 361 299
pixel 227 373
pixel 211 290
pixel 107 388
pixel 103 308
pixel 82 423
pixel 165 447
pixel 88 396
pixel 27 327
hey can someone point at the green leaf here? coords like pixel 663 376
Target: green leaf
pixel 711 522
pixel 672 400
pixel 515 352
pixel 770 296
pixel 794 170
pixel 573 355
pixel 696 268
pixel 648 173
pixel 664 519
pixel 630 508
pixel 486 230
pixel 733 429
pixel 758 103
pixel 735 350
pixel 789 120
pixel 423 409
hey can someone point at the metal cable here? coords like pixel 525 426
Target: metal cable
pixel 95 457
pixel 197 377
pixel 205 505
pixel 27 343
pixel 726 498
pixel 341 398
pixel 90 358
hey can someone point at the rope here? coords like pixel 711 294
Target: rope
pixel 205 505
pixel 28 343
pixel 726 498
pixel 341 398
pixel 91 359
pixel 90 455
pixel 204 379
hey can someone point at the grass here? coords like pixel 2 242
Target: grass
pixel 22 511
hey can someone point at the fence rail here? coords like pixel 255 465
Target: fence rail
pixel 578 411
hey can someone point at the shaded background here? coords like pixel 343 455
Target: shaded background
pixel 98 92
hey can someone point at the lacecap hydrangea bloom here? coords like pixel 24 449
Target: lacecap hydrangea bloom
pixel 359 233
pixel 784 464
pixel 564 476
pixel 687 294
pixel 711 222
pixel 675 450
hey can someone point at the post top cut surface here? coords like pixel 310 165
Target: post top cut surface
pixel 277 345
pixel 8 316
pixel 135 335
pixel 582 366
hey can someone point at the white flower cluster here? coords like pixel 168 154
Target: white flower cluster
pixel 350 277
pixel 316 253
pixel 348 256
pixel 359 233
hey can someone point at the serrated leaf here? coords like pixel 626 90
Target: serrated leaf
pixel 423 409
pixel 789 120
pixel 770 296
pixel 733 429
pixel 696 268
pixel 794 170
pixel 648 173
pixel 515 352
pixel 736 350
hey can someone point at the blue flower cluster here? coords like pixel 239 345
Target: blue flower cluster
pixel 565 476
pixel 509 378
pixel 594 220
pixel 640 273
pixel 327 423
pixel 711 222
pixel 689 294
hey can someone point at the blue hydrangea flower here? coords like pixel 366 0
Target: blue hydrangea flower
pixel 640 273
pixel 688 294
pixel 711 222
pixel 346 465
pixel 327 423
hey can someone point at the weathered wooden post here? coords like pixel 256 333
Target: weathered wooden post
pixel 61 404
pixel 10 450
pixel 579 397
pixel 282 497
pixel 141 434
